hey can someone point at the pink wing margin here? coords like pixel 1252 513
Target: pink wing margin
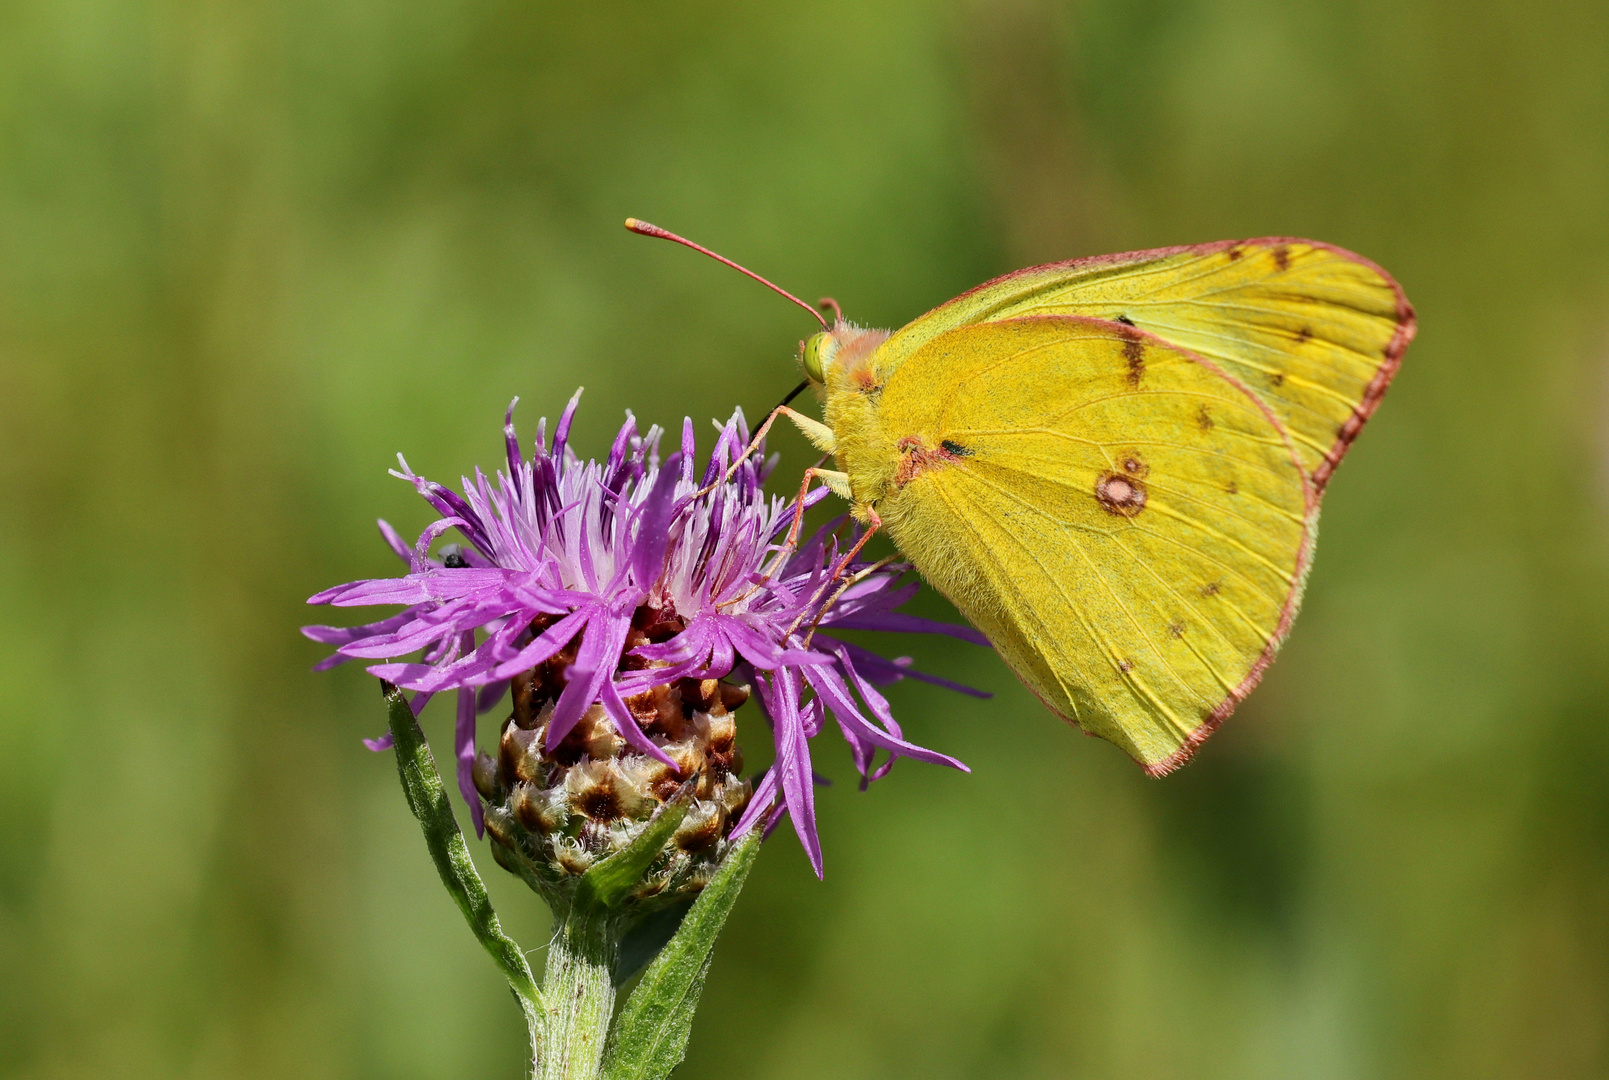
pixel 1311 494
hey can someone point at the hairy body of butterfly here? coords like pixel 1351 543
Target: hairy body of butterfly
pixel 1113 466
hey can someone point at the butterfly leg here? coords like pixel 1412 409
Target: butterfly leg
pixel 839 483
pixel 852 579
pixel 814 430
pixel 876 523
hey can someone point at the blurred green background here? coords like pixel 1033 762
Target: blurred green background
pixel 249 250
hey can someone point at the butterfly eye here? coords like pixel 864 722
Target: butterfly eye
pixel 815 356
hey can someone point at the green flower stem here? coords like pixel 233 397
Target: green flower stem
pixel 650 1034
pixel 568 1019
pixel 427 798
pixel 579 994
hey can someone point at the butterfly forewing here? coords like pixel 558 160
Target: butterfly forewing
pixel 1314 331
pixel 1127 524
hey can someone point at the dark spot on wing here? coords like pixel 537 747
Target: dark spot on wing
pixel 1276 378
pixel 1282 257
pixel 1232 487
pixel 1119 495
pixel 1125 320
pixel 1204 419
pixel 1304 335
pixel 1134 353
pixel 955 448
pixel 1176 630
pixel 1211 588
pixel 1134 465
pixel 1125 666
pixel 1234 253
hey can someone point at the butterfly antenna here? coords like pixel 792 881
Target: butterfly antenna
pixel 642 228
pixel 795 392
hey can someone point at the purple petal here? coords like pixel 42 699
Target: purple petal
pixel 421 550
pixel 765 792
pixel 450 673
pixel 395 542
pixel 628 727
pixel 447 504
pixel 490 695
pixel 692 641
pixel 403 675
pixel 548 643
pixel 464 743
pixel 826 683
pixel 511 444
pixel 785 520
pixel 653 528
pixel 725 444
pixel 595 662
pixel 341 635
pixel 899 622
pixel 793 760
pixel 561 434
pixel 614 471
pixel 880 669
pixel 412 589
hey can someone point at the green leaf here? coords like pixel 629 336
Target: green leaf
pixel 427 798
pixel 645 937
pixel 650 1037
pixel 611 881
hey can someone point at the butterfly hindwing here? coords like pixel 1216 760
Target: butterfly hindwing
pixel 1128 524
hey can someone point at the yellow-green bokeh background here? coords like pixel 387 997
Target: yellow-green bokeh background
pixel 249 250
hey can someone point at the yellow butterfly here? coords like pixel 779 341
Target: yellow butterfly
pixel 1112 466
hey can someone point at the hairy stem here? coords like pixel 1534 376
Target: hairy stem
pixel 579 995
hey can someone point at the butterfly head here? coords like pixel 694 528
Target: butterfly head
pixel 815 353
pixel 843 349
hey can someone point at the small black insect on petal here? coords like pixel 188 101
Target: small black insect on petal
pixel 453 559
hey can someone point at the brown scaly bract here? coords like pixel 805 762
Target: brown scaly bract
pixel 551 817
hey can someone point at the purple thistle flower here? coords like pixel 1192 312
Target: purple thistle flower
pixel 560 549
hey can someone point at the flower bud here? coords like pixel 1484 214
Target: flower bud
pixel 552 816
